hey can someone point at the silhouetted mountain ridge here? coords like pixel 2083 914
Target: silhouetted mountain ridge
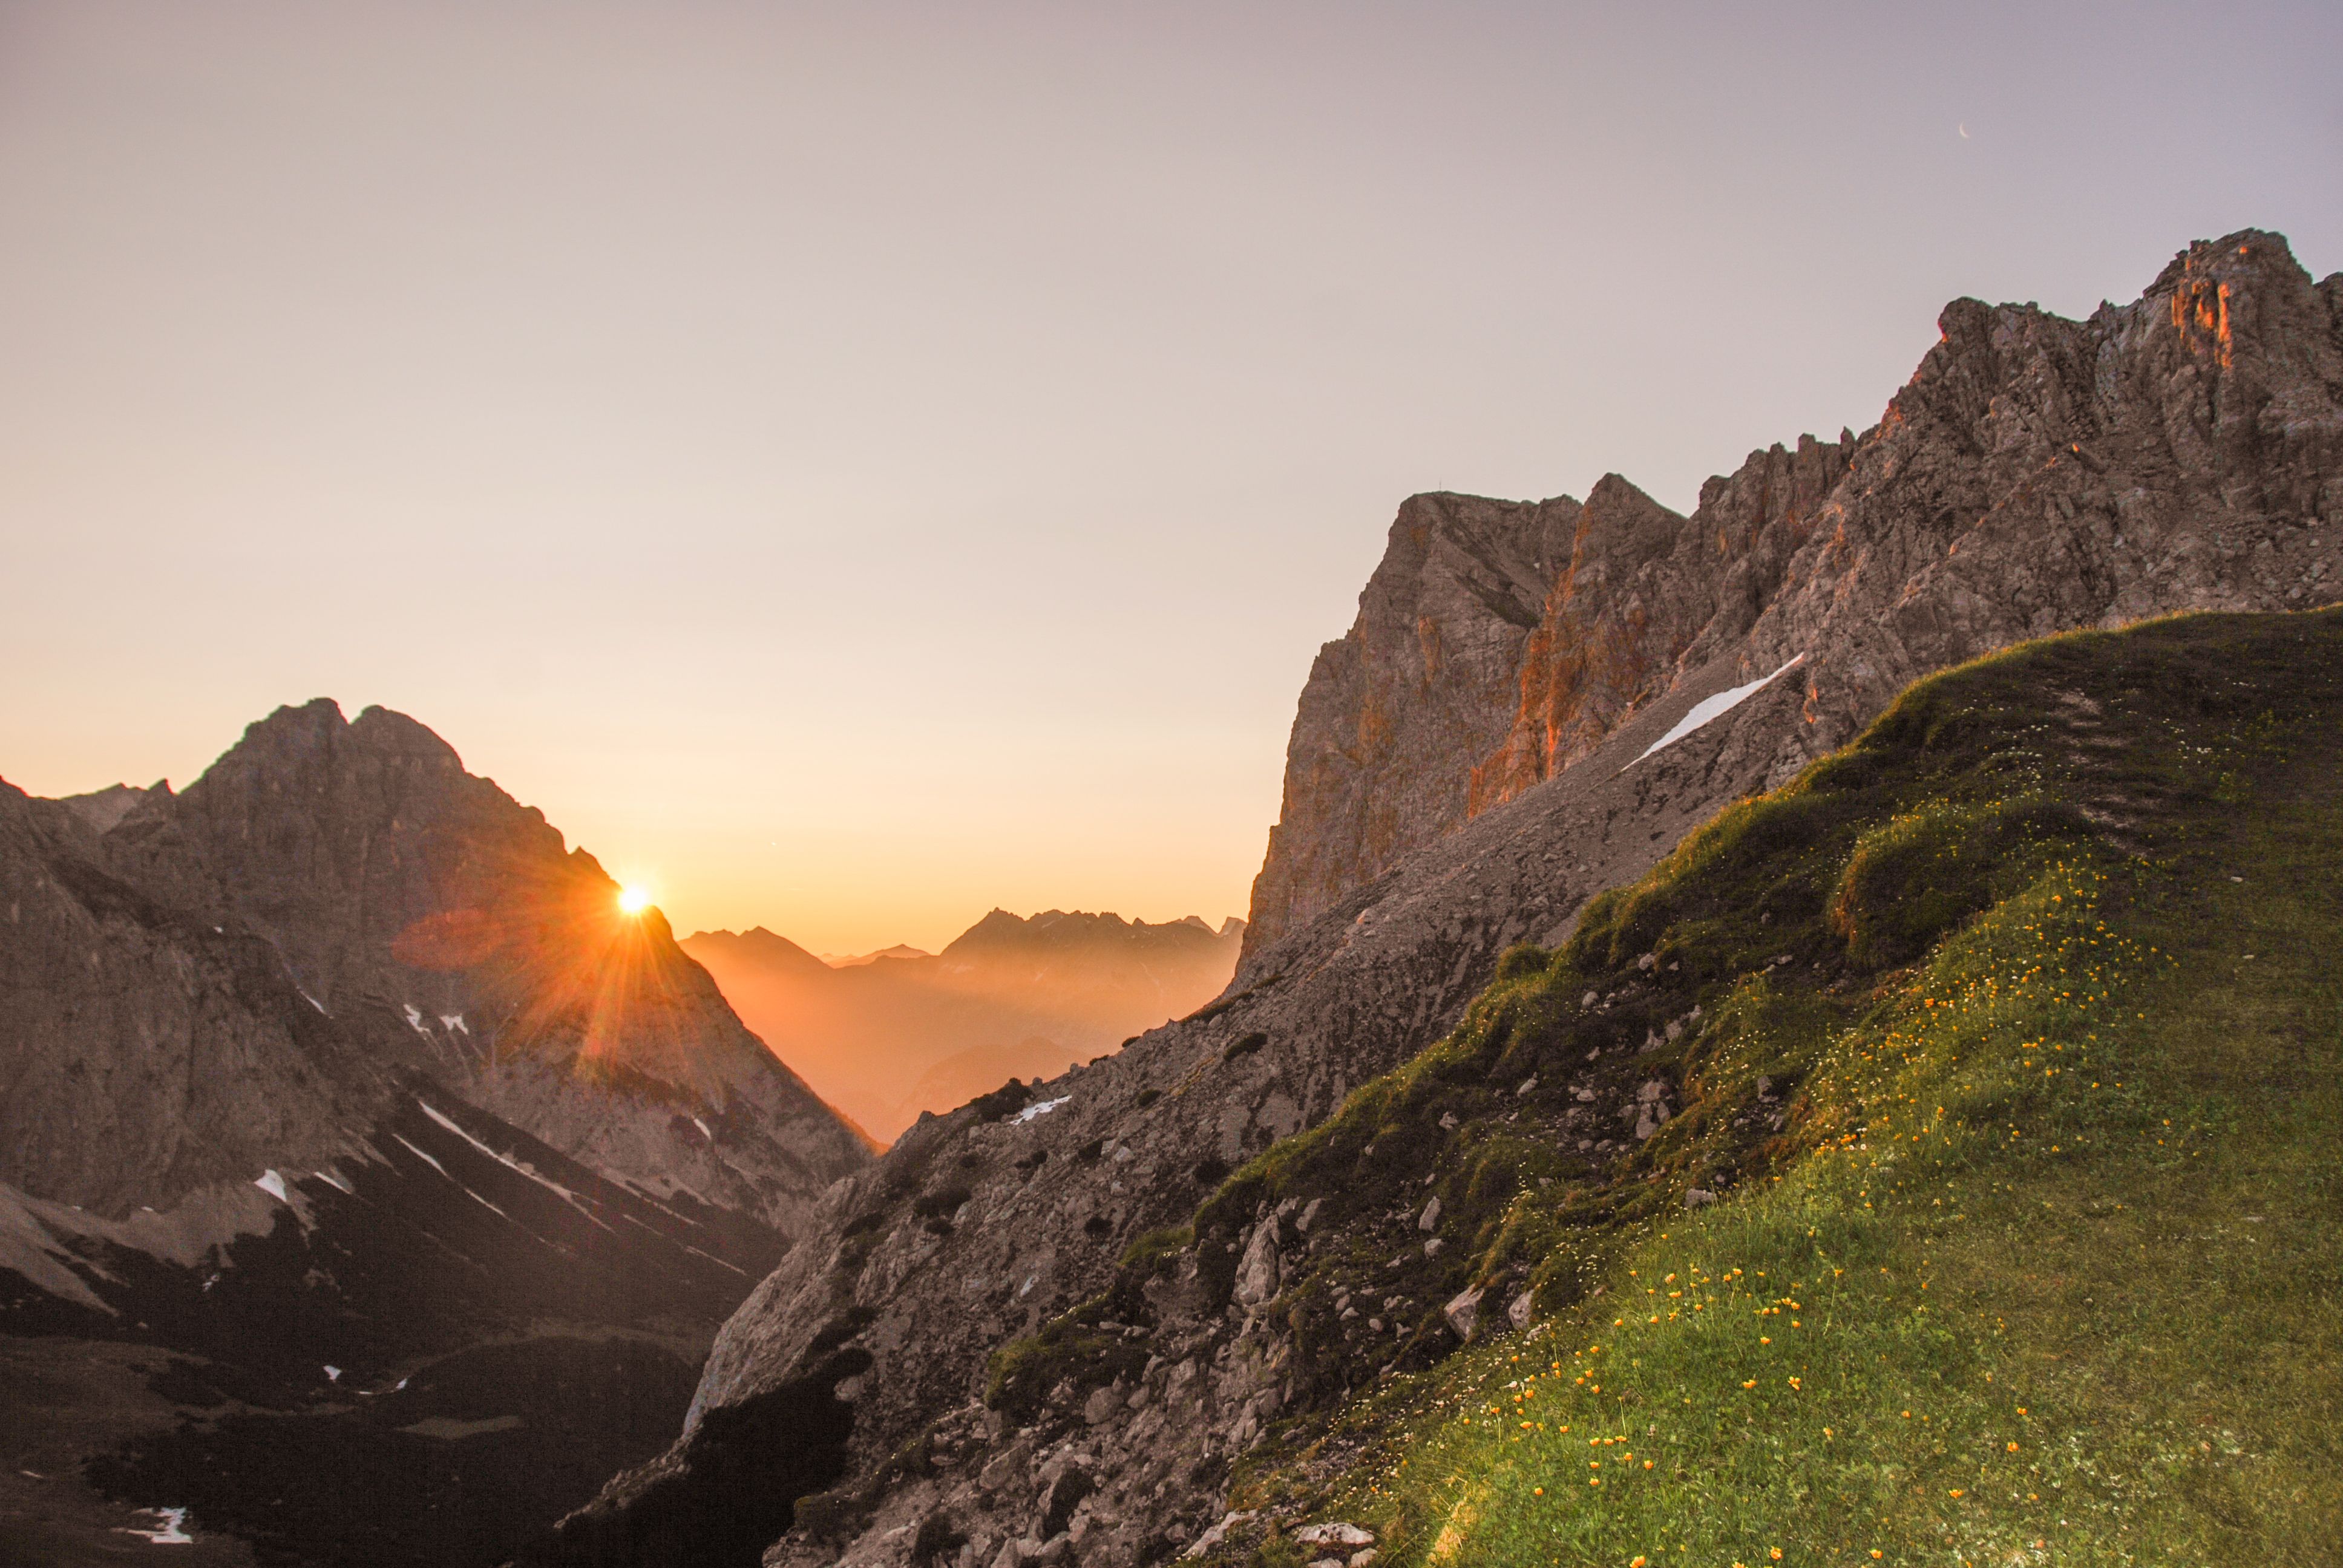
pixel 1036 993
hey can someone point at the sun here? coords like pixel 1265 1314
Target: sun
pixel 633 900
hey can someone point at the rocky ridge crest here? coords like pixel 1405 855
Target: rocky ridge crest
pixel 2148 452
pixel 427 922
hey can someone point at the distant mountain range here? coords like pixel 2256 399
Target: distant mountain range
pixel 889 1035
pixel 369 1180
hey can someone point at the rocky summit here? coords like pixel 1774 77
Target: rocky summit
pixel 339 1099
pixel 2035 474
pixel 1042 1327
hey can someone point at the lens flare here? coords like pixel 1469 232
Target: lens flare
pixel 633 900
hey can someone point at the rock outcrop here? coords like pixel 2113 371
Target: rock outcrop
pixel 2035 474
pixel 389 884
pixel 1537 704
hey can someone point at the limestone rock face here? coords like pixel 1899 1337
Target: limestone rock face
pixel 2035 475
pixel 1468 766
pixel 389 885
pixel 1429 669
pixel 143 1055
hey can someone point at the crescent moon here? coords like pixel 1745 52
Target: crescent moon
pixel 1964 128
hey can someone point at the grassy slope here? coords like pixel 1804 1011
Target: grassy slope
pixel 2043 1266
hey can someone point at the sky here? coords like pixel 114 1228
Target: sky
pixel 856 465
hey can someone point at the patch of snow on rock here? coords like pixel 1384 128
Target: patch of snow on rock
pixel 519 1167
pixel 270 1182
pixel 418 1154
pixel 1043 1109
pixel 1710 709
pixel 167 1534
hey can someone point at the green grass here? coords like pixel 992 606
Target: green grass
pixel 2045 1267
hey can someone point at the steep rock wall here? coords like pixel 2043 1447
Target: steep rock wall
pixel 2036 473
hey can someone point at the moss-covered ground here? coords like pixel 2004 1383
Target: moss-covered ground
pixel 2015 1072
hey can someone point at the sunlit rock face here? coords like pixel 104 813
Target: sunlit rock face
pixel 2035 475
pixel 2183 452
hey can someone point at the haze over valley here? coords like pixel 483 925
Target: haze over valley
pixel 887 1036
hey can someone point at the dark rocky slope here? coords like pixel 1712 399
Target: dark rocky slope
pixel 1863 1002
pixel 337 1070
pixel 2183 452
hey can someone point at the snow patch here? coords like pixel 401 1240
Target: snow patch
pixel 1710 709
pixel 1043 1109
pixel 444 1171
pixel 333 1374
pixel 453 1022
pixel 313 1001
pixel 450 1126
pixel 167 1534
pixel 418 1154
pixel 716 1261
pixel 336 1178
pixel 415 1021
pixel 695 1121
pixel 270 1182
pixel 517 1166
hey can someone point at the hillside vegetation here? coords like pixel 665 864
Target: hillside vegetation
pixel 1985 1204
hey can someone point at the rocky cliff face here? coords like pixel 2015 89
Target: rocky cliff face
pixel 2036 473
pixel 390 883
pixel 1456 786
pixel 339 1066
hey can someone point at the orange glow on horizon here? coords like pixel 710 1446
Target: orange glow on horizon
pixel 633 900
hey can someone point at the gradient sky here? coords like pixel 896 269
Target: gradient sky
pixel 855 466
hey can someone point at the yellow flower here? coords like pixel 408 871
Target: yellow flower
pixel 1776 1554
pixel 1750 1384
pixel 1639 1561
pixel 1956 1491
pixel 1796 1384
pixel 2013 1448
